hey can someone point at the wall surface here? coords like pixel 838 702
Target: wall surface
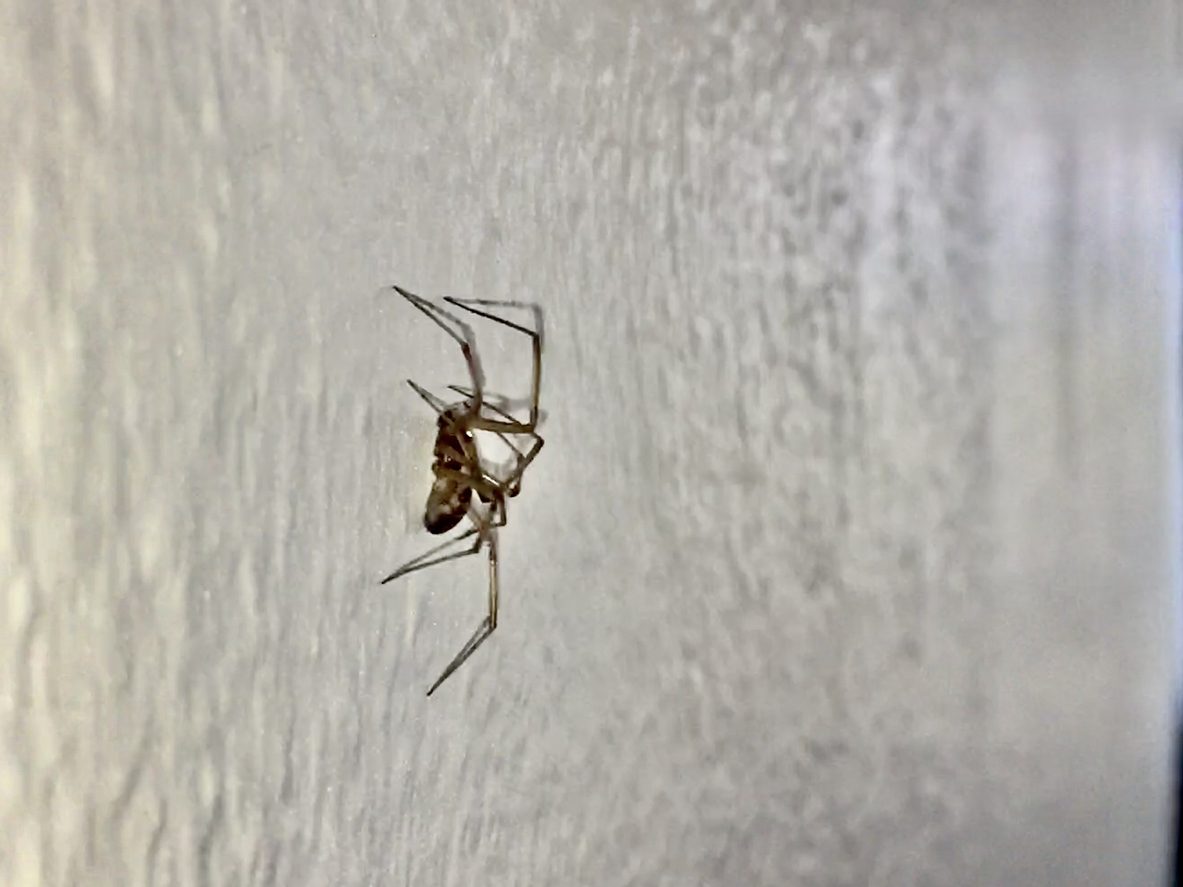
pixel 852 555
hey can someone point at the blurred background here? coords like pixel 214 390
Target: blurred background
pixel 853 554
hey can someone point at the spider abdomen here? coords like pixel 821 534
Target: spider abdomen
pixel 448 501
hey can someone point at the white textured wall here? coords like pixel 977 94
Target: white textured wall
pixel 851 556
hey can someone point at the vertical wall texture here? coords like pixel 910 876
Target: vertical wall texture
pixel 852 557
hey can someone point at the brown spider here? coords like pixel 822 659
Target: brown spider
pixel 457 467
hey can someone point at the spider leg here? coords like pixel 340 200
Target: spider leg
pixel 488 532
pixel 465 338
pixel 536 343
pixel 478 638
pixel 467 392
pixel 512 483
pixel 432 401
pixel 489 488
pixel 427 560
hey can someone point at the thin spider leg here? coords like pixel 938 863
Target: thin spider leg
pixel 509 443
pixel 534 334
pixel 467 342
pixel 489 533
pixel 432 401
pixel 422 561
pixel 488 488
pixel 512 484
pixel 499 515
pixel 478 638
pixel 483 423
pixel 467 304
pixel 467 392
pixel 514 481
pixel 493 578
pixel 487 399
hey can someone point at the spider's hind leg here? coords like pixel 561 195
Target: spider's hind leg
pixel 488 533
pixel 428 559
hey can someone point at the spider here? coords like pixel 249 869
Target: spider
pixel 457 466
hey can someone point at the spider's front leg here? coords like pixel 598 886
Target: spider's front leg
pixel 512 426
pixel 466 339
pixel 512 484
